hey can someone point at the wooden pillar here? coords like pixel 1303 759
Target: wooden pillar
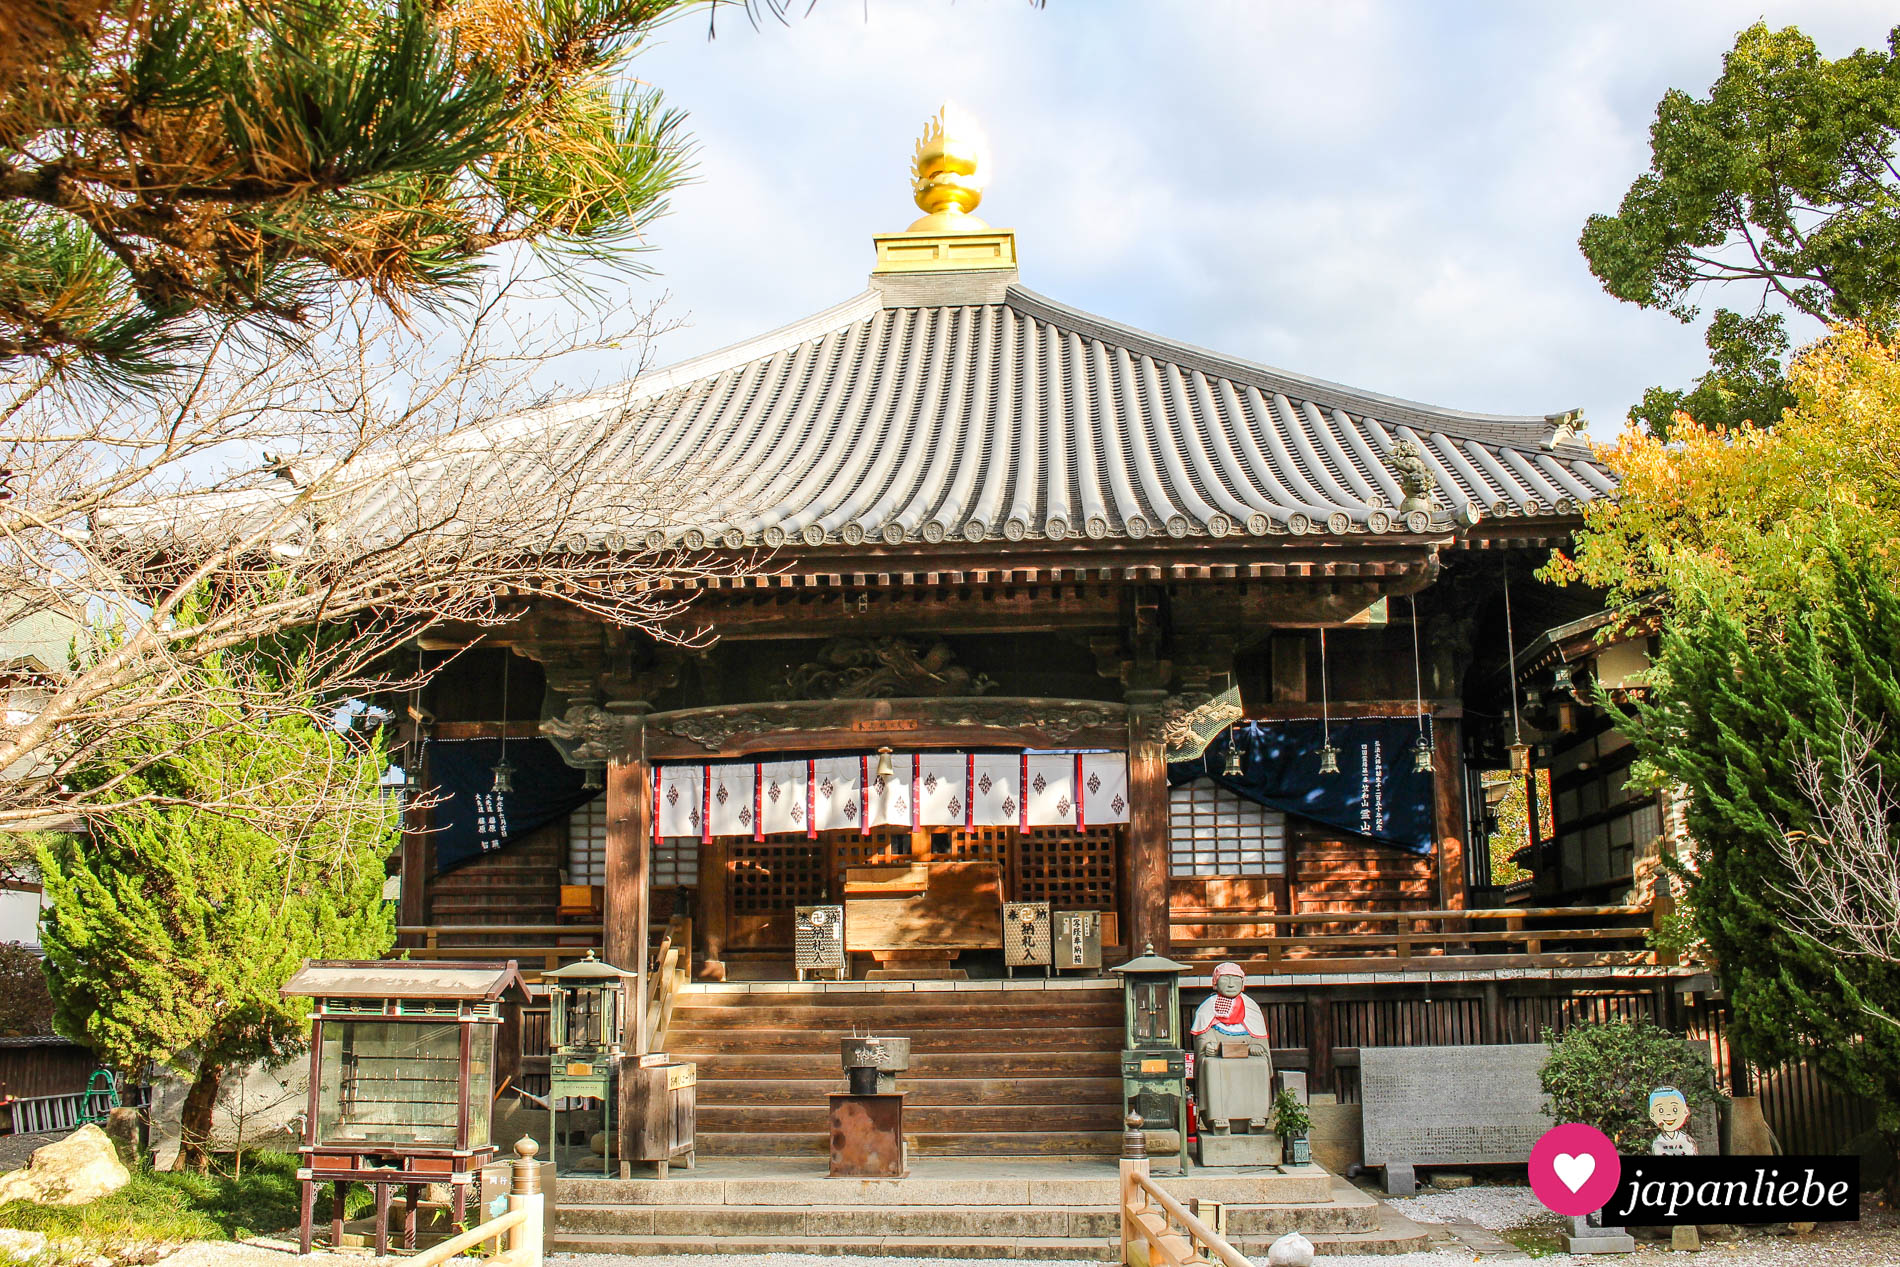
pixel 1319 1043
pixel 1145 843
pixel 715 891
pixel 1449 828
pixel 629 853
pixel 412 904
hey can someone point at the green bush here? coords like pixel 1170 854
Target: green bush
pixel 1602 1074
pixel 162 1207
pixel 1290 1118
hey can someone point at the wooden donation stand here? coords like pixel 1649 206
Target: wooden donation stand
pixel 916 919
pixel 661 1105
pixel 867 1136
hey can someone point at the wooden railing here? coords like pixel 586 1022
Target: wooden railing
pixel 521 1226
pixel 1497 938
pixel 536 947
pixel 1157 1230
pixel 672 966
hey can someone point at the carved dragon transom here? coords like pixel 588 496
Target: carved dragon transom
pixel 883 668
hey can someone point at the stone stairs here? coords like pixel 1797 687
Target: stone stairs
pixel 1031 1070
pixel 1064 1211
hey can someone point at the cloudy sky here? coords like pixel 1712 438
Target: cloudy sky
pixel 1382 194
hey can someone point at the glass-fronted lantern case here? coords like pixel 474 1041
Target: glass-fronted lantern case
pixel 403 1055
pixel 402 1083
pixel 1151 996
pixel 586 1006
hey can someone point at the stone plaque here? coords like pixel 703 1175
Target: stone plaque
pixel 1443 1106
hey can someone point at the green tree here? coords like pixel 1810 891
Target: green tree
pixel 168 170
pixel 1602 1074
pixel 174 924
pixel 1737 713
pixel 1781 179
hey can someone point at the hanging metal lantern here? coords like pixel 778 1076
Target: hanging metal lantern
pixel 1560 679
pixel 1422 754
pixel 590 778
pixel 1235 767
pixel 504 772
pixel 1328 759
pixel 1520 758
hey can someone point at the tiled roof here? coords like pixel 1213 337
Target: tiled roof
pixel 901 416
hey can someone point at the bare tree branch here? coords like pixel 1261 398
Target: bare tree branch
pixel 346 484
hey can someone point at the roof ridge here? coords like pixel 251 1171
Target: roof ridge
pixel 1393 409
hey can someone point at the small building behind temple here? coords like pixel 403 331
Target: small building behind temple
pixel 1021 604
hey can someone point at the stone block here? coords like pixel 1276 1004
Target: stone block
pixel 1334 1135
pixel 1453 1106
pixel 1685 1237
pixel 1400 1179
pixel 1240 1150
pixel 1581 1236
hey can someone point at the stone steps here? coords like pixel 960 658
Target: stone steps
pixel 1053 1220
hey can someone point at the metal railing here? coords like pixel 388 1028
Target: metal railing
pixel 1526 933
pixel 521 1226
pixel 1156 1229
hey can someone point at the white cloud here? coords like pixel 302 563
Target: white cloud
pixel 1385 194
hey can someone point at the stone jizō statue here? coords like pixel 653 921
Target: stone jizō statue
pixel 1233 1073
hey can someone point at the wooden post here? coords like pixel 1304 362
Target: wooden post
pixel 526 1239
pixel 714 895
pixel 1448 813
pixel 629 852
pixel 412 904
pixel 1145 842
pixel 1319 1043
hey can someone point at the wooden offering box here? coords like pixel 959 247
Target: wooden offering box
pixel 661 1107
pixel 402 1071
pixel 926 912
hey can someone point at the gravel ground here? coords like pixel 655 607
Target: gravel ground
pixel 1495 1208
pixel 1873 1242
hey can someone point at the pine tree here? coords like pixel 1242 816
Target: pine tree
pixel 1735 710
pixel 173 926
pixel 171 170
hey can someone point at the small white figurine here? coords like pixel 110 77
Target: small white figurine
pixel 1669 1109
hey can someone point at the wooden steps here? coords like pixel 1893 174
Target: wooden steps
pixel 1030 1071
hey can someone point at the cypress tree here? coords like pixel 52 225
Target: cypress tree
pixel 1734 709
pixel 171 928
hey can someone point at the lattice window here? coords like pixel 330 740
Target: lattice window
pixel 676 862
pixel 979 844
pixel 884 846
pixel 587 843
pixel 1211 831
pixel 1073 870
pixel 772 876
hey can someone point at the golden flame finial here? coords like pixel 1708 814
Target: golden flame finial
pixel 949 171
